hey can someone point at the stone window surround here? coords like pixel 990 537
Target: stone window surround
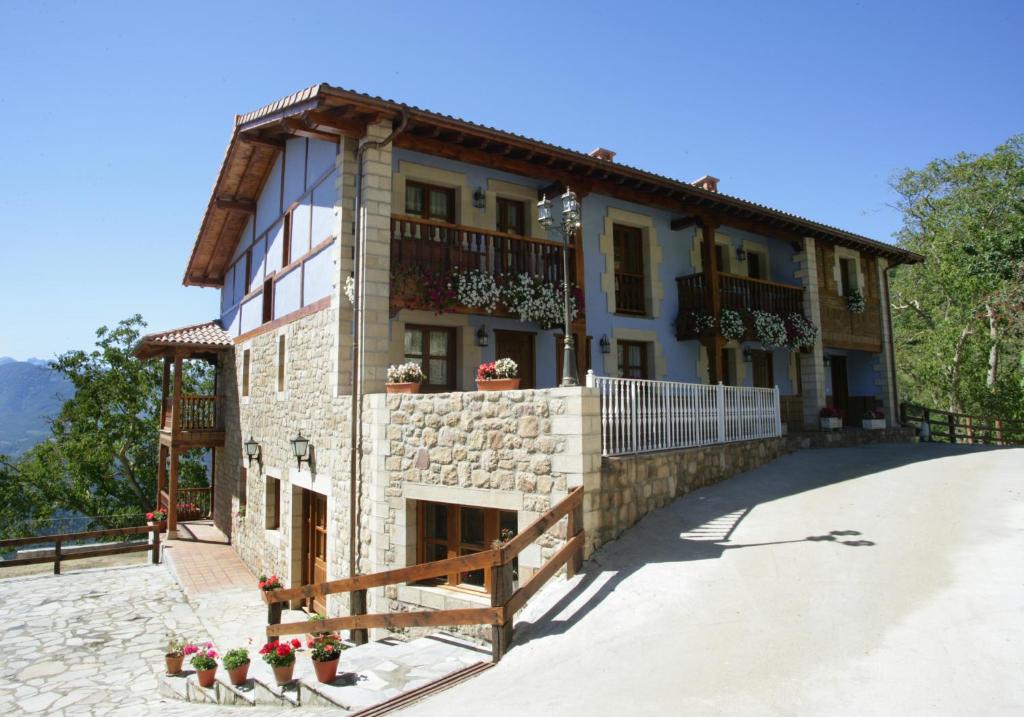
pixel 648 336
pixel 467 354
pixel 842 252
pixel 654 292
pixel 465 213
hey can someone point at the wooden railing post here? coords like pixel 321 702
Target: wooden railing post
pixel 56 557
pixel 501 591
pixel 951 424
pixel 572 529
pixel 359 636
pixel 155 557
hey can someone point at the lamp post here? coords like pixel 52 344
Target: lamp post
pixel 568 227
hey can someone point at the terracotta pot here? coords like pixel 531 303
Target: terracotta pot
pixel 238 675
pixel 498 384
pixel 174 663
pixel 326 670
pixel 205 677
pixel 283 674
pixel 402 387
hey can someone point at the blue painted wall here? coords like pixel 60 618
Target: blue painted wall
pixel 860 372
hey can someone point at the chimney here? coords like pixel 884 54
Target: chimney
pixel 601 153
pixel 707 182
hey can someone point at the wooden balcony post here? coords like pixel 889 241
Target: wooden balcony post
pixel 176 400
pixel 165 388
pixel 161 472
pixel 172 497
pixel 713 300
pixel 501 591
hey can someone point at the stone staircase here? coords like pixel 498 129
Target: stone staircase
pixel 370 677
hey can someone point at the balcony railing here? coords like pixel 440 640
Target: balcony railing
pixel 738 293
pixel 445 247
pixel 198 413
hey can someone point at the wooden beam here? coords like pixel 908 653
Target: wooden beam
pixel 303 128
pixel 683 223
pixel 434 618
pixel 251 138
pixel 233 204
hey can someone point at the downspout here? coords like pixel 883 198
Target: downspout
pixel 356 413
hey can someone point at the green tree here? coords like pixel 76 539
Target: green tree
pixel 957 318
pixel 101 459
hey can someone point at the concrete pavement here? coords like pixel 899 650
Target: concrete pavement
pixel 879 580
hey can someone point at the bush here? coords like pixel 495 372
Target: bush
pixel 235 658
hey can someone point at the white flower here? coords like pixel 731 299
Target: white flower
pixel 405 373
pixel 350 289
pixel 855 302
pixel 534 299
pixel 800 331
pixel 770 329
pixel 731 324
pixel 506 368
pixel 477 289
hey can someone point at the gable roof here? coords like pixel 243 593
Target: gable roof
pixel 327 112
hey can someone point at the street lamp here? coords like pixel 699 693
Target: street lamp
pixel 568 228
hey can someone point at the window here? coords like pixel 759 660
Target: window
pixel 433 348
pixel 268 300
pixel 449 531
pixel 280 363
pixel 847 276
pixel 243 486
pixel 430 202
pixel 511 216
pixel 273 507
pixel 722 257
pixel 629 270
pixel 245 372
pixel 632 359
pixel 755 265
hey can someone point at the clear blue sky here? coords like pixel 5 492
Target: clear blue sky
pixel 114 117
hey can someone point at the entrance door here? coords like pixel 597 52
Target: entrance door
pixel 761 363
pixel 840 387
pixel 518 346
pixel 314 544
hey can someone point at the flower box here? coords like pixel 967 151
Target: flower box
pixel 830 423
pixel 407 387
pixel 873 424
pixel 497 384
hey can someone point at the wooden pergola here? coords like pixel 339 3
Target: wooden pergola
pixel 187 421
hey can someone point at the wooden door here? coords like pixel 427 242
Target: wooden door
pixel 518 346
pixel 761 363
pixel 314 508
pixel 840 387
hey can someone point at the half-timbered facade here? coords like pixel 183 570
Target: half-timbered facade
pixel 427 197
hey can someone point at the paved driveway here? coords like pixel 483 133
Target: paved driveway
pixel 880 580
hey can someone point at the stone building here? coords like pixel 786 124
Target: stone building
pixel 330 197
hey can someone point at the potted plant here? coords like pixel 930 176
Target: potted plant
pixel 204 659
pixel 236 662
pixel 317 635
pixel 404 378
pixel 281 656
pixel 273 609
pixel 157 517
pixel 855 302
pixel 326 653
pixel 873 420
pixel 175 655
pixel 500 375
pixel 830 418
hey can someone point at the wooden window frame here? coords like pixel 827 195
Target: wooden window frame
pixel 281 358
pixel 624 235
pixel 425 357
pixel 268 301
pixel 246 364
pixel 645 348
pixel 286 239
pixel 272 514
pixel 501 205
pixel 492 531
pixel 427 189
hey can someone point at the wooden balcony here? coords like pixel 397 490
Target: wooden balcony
pixel 737 293
pixel 421 244
pixel 201 421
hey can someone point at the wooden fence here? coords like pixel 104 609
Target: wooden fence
pixel 505 601
pixel 962 427
pixel 59 541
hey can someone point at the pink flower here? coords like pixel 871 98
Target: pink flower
pixel 295 643
pixel 208 645
pixel 212 653
pixel 328 648
pixel 309 642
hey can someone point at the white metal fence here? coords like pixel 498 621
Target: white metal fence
pixel 640 416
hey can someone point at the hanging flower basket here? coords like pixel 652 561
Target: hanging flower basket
pixel 855 302
pixel 731 325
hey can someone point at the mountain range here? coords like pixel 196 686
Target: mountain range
pixel 31 393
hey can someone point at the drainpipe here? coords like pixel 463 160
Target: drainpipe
pixel 892 345
pixel 356 414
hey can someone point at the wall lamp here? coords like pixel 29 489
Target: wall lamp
pixel 748 356
pixel 827 361
pixel 252 450
pixel 606 345
pixel 741 254
pixel 301 449
pixel 479 198
pixel 481 336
